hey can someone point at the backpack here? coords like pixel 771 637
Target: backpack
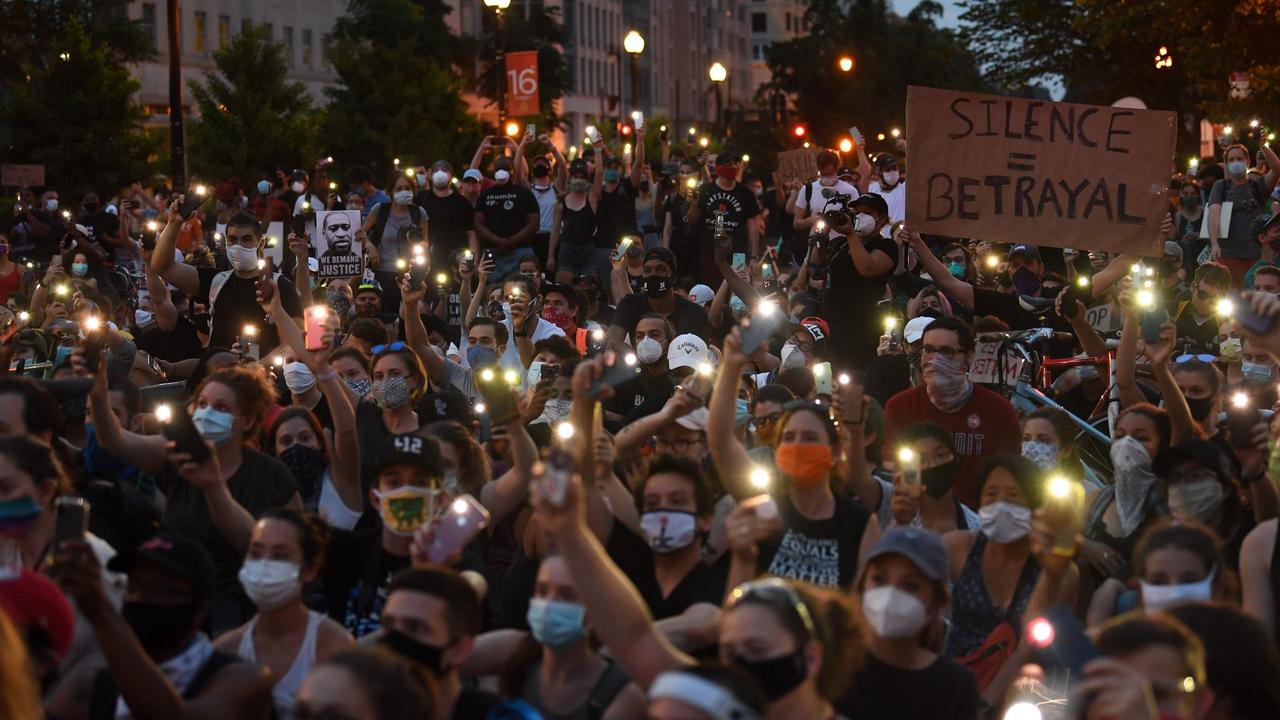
pixel 215 288
pixel 384 212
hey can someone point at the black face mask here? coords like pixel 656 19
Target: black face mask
pixel 1200 408
pixel 307 465
pixel 541 171
pixel 656 286
pixel 776 676
pixel 644 186
pixel 158 627
pixel 406 647
pixel 201 321
pixel 939 478
pixel 91 208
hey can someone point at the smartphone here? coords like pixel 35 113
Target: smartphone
pixel 299 224
pixel 530 131
pixel 248 341
pixel 663 134
pixel 909 469
pixel 1152 321
pixel 486 255
pixel 699 383
pixel 549 373
pixel 468 261
pixel 765 506
pixel 760 327
pixel 1081 290
pixel 1249 320
pixel 1064 501
pixel 459 524
pixel 593 134
pixel 93 343
pixel 1242 417
pixel 314 326
pixel 418 269
pixel 618 368
pixel 822 379
pixel 267 271
pixel 739 262
pixel 637 119
pixel 177 426
pixel 72 521
pixel 557 470
pixel 856 134
pixel 1060 641
pixel 193 200
pixel 495 386
pixel 621 251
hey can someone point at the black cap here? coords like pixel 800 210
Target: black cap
pixel 844 172
pixel 612 160
pixel 666 256
pixel 1030 251
pixel 727 158
pixel 578 167
pixel 566 290
pixel 872 201
pixel 408 450
pixel 1201 451
pixel 445 405
pixel 886 160
pixel 1262 222
pixel 178 554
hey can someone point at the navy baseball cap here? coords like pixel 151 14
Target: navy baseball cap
pixel 921 547
pixel 1030 251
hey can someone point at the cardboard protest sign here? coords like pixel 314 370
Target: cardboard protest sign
pixel 801 163
pixel 273 247
pixel 21 175
pixel 985 367
pixel 335 246
pixel 1012 170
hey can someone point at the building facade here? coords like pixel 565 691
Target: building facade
pixel 773 21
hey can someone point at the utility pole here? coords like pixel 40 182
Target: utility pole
pixel 177 133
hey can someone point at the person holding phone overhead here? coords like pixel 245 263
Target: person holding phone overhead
pixel 230 294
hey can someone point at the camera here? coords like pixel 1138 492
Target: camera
pixel 837 216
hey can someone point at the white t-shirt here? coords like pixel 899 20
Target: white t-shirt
pixel 896 199
pixel 820 202
pixel 316 203
pixel 546 206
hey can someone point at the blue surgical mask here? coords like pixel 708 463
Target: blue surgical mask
pixel 741 412
pixel 737 305
pixel 956 269
pixel 479 356
pixel 1237 168
pixel 612 175
pixel 79 269
pixel 554 623
pixel 264 187
pixel 214 426
pixel 1257 373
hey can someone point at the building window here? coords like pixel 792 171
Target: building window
pixel 200 27
pixel 306 48
pixel 271 32
pixel 759 22
pixel 149 21
pixel 788 22
pixel 224 31
pixel 325 40
pixel 288 46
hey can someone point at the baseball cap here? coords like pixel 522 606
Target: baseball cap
pixel 412 450
pixel 663 254
pixel 696 420
pixel 1201 451
pixel 886 160
pixel 727 158
pixel 921 547
pixel 687 351
pixel 32 601
pixel 1262 222
pixel 578 167
pixel 178 554
pixel 567 291
pixel 872 201
pixel 701 294
pixel 1030 251
pixel 1172 248
pixel 844 172
pixel 914 329
pixel 444 405
pixel 473 174
pixel 815 320
pixel 817 330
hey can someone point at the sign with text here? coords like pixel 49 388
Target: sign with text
pixel 22 175
pixel 985 368
pixel 1012 170
pixel 802 164
pixel 522 83
pixel 339 254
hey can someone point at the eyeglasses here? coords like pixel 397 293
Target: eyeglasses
pixel 961 259
pixel 397 345
pixel 677 446
pixel 769 419
pixel 804 347
pixel 776 592
pixel 946 352
pixel 1188 357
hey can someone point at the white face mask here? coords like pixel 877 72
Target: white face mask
pixel 648 351
pixel 1004 522
pixel 298 377
pixel 892 613
pixel 403 197
pixel 242 259
pixel 143 318
pixel 891 177
pixel 1158 597
pixel 439 178
pixel 1197 500
pixel 535 372
pixel 668 530
pixel 863 224
pixel 298 186
pixel 502 176
pixel 270 583
pixel 792 356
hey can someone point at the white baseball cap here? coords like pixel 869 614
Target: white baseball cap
pixel 687 351
pixel 701 294
pixel 696 420
pixel 915 328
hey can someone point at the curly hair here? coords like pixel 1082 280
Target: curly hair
pixel 255 394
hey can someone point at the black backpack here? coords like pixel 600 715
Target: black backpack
pixel 384 212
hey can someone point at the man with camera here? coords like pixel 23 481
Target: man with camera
pixel 862 261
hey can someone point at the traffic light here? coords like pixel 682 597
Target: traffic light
pixel 799 131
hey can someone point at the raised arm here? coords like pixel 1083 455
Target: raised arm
pixel 302 270
pixel 727 452
pixel 161 302
pixel 1273 166
pixel 942 277
pixel 145 452
pixel 1127 357
pixel 1160 353
pixel 631 438
pixel 1090 341
pixel 415 333
pixel 1112 274
pixel 849 404
pixel 478 157
pixel 560 175
pixel 503 496
pixel 179 274
pixel 637 157
pixel 344 466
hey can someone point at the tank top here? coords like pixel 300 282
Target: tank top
pixel 607 687
pixel 9 283
pixel 577 227
pixel 285 692
pixel 974 615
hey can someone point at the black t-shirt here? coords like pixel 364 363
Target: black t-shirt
pixel 822 552
pixel 738 205
pixel 238 306
pixel 850 298
pixel 1004 306
pixel 357 574
pixel 182 343
pixel 888 375
pixel 452 216
pixel 942 690
pixel 643 395
pixel 1204 335
pixel 101 226
pixel 617 214
pixel 506 208
pixel 474 704
pixel 704 583
pixel 371 431
pixel 687 317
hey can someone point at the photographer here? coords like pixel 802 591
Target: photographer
pixel 862 261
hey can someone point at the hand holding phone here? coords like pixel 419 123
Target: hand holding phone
pixel 460 523
pixel 177 426
pixel 316 326
pixel 72 522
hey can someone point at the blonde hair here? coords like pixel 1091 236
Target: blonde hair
pixel 19 697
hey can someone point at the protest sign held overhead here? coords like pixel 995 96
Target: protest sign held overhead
pixel 335 246
pixel 1011 170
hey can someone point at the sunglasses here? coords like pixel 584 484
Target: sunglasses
pixel 397 345
pixel 1188 357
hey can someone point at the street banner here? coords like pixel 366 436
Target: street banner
pixel 522 83
pixel 801 164
pixel 1011 170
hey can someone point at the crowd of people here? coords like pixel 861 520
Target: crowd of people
pixel 606 437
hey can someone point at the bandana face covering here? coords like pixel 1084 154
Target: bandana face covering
pixel 1197 500
pixel 1133 480
pixel 947 383
pixel 805 464
pixel 406 509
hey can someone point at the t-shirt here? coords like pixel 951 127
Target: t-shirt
pixel 986 425
pixel 371 431
pixel 182 343
pixel 945 689
pixel 547 199
pixel 357 574
pixel 704 583
pixel 452 216
pixel 851 297
pixel 822 552
pixel 390 248
pixel 1246 199
pixel 738 206
pixel 617 214
pixel 102 226
pixel 687 317
pixel 1004 306
pixel 816 202
pixel 237 306
pixel 642 395
pixel 506 208
pixel 1203 332
pixel 896 199
pixel 474 704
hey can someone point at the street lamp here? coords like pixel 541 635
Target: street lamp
pixel 718 74
pixel 500 56
pixel 845 63
pixel 633 43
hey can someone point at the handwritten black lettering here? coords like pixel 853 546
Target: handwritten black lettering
pixel 1048 195
pixel 1008 122
pixel 955 110
pixel 997 183
pixel 1032 123
pixel 1072 194
pixel 1123 217
pixel 967 198
pixel 989 132
pixel 1099 198
pixel 1022 196
pixel 1112 131
pixel 930 213
pixel 1084 139
pixel 1056 122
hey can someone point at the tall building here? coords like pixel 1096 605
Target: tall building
pixel 773 21
pixel 302 26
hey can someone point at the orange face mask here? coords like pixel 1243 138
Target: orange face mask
pixel 805 464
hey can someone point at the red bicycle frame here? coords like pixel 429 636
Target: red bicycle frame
pixel 1099 361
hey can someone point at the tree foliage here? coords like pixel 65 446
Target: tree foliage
pixel 250 113
pixel 542 30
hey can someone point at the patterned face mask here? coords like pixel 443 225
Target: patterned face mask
pixel 406 509
pixel 1043 454
pixel 391 393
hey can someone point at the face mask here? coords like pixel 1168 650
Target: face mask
pixel 298 377
pixel 776 676
pixel 1231 349
pixel 657 286
pixel 214 426
pixel 939 478
pixel 406 509
pixel 79 269
pixel 51 205
pixel 727 172
pixel 890 177
pixel 158 626
pixel 579 185
pixel 270 583
pixel 403 197
pixel 668 530
pixel 242 259
pixel 541 171
pixel 429 656
pixel 1004 522
pixel 1043 454
pixel 1191 203
pixel 648 351
pixel 957 270
pixel 644 186
pixel 1158 597
pixel 534 375
pixel 1133 481
pixel 1257 373
pixel 1200 408
pixel 741 412
pixel 612 175
pixel 143 318
pixel 306 464
pixel 554 623
pixel 805 464
pixel 893 614
pixel 360 387
pixel 1197 500
pixel 1237 168
pixel 298 186
pixel 863 224
pixel 502 176
pixel 440 178
pixel 422 179
pixel 479 356
pixel 17 516
pixel 557 410
pixel 264 187
pixel 391 393
pixel 1025 282
pixel 946 382
pixel 792 356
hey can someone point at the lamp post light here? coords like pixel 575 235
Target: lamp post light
pixel 718 75
pixel 500 55
pixel 845 63
pixel 633 43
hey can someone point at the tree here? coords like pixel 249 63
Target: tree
pixel 250 113
pixel 398 94
pixel 78 118
pixel 526 26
